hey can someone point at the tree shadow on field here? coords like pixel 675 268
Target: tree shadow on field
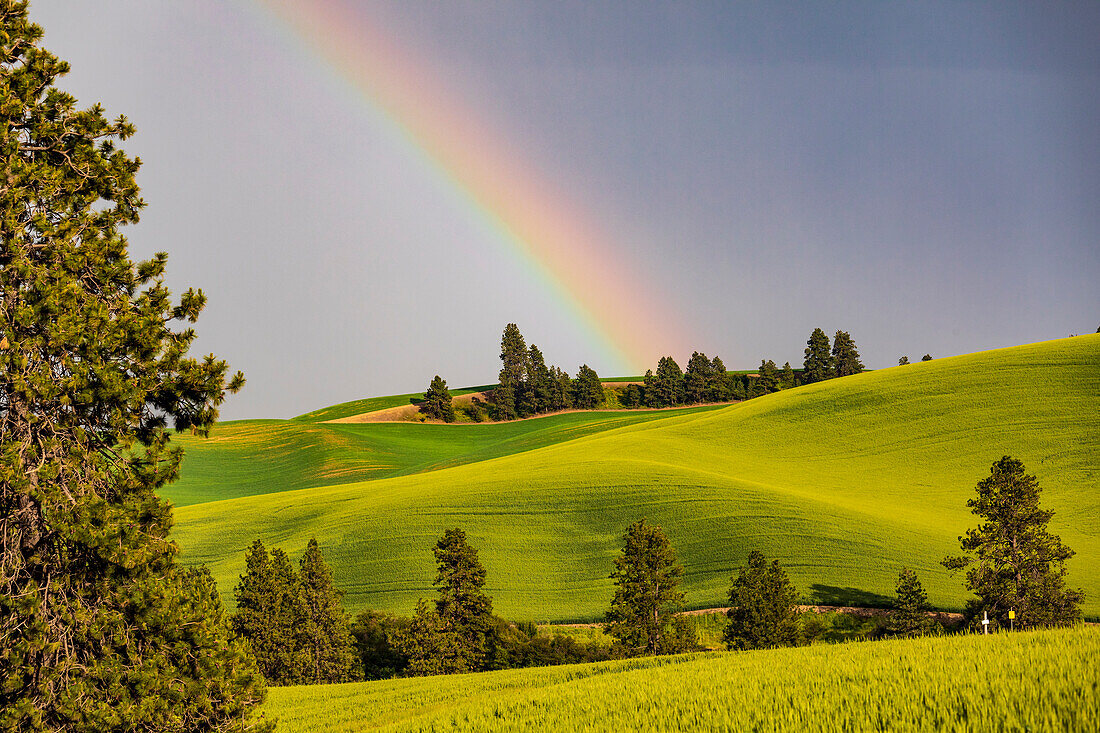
pixel 832 595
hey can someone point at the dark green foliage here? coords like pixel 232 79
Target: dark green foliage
pixel 768 381
pixel 267 611
pixel 632 396
pixel 665 388
pixel 786 376
pixel 561 390
pixel 762 612
pixel 438 403
pixel 428 645
pixel 818 364
pixel 647 592
pixel 845 356
pixel 503 406
pixel 720 384
pixel 509 397
pixel 903 361
pixel 910 615
pixel 464 609
pixel 697 378
pixel 1017 564
pixel 100 629
pixel 540 383
pixel 375 635
pixel 926 357
pixel 323 637
pixel 587 389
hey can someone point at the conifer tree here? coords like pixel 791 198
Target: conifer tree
pixel 1017 565
pixel 538 376
pixel 438 403
pixel 668 383
pixel 101 629
pixel 926 357
pixel 768 381
pixel 845 356
pixel 428 644
pixel 561 396
pixel 510 397
pixel 762 612
pixel 323 642
pixel 720 384
pixel 903 361
pixel 587 389
pixel 647 590
pixel 267 612
pixel 786 376
pixel 697 378
pixel 818 364
pixel 462 606
pixel 910 615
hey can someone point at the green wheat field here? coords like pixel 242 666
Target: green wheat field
pixel 844 481
pixel 1037 681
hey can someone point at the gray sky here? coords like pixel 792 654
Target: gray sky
pixel 925 176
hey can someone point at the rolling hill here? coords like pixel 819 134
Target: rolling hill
pixel 844 481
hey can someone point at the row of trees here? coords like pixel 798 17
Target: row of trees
pixel 529 387
pixel 823 363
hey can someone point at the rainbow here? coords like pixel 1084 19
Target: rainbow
pixel 548 233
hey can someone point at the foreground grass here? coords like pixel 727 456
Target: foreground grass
pixel 844 482
pixel 1040 681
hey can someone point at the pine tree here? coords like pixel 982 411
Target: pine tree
pixel 697 378
pixel 267 612
pixel 910 615
pixel 903 361
pixel 926 357
pixel 762 612
pixel 720 384
pixel 845 356
pixel 438 403
pixel 768 381
pixel 539 383
pixel 647 590
pixel 668 383
pixel 428 645
pixel 818 364
pixel 100 627
pixel 462 606
pixel 1017 563
pixel 561 395
pixel 513 355
pixel 587 389
pixel 323 637
pixel 786 376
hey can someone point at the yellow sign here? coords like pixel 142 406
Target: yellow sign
pixel 1012 614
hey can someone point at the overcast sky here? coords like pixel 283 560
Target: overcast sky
pixel 925 176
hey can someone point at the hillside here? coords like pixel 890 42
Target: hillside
pixel 953 683
pixel 844 481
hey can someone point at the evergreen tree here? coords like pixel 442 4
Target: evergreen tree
pixel 762 612
pixel 668 383
pixel 267 612
pixel 903 361
pixel 720 384
pixel 323 642
pixel 429 645
pixel 438 403
pixel 768 381
pixel 845 356
pixel 649 382
pixel 632 396
pixel 1017 563
pixel 561 395
pixel 910 614
pixel 926 357
pixel 697 378
pixel 462 606
pixel 818 364
pixel 647 590
pixel 100 629
pixel 509 397
pixel 587 389
pixel 540 387
pixel 786 376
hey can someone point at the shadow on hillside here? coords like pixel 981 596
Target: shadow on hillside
pixel 831 595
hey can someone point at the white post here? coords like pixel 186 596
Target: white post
pixel 985 621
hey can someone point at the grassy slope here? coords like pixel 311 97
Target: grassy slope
pixel 370 404
pixel 1025 681
pixel 844 481
pixel 252 457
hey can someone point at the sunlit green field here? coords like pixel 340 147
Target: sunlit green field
pixel 1039 681
pixel 844 482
